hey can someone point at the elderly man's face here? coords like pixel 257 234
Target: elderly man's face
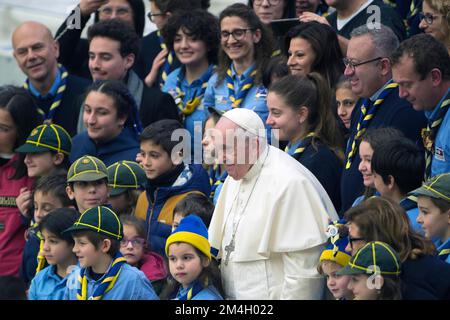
pixel 232 150
pixel 364 78
pixel 35 51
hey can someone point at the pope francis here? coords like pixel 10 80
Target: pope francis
pixel 269 225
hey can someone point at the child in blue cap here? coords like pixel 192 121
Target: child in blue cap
pixel 188 250
pixel 333 259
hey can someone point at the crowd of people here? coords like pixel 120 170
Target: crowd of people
pixel 286 149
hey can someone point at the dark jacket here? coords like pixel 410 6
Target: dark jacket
pixel 124 147
pixel 426 278
pixel 29 257
pixel 326 167
pixel 68 112
pixel 389 18
pixel 157 209
pixel 393 112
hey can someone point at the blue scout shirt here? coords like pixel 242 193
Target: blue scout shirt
pixel 132 284
pixel 217 95
pixel 444 250
pixel 47 285
pixel 441 159
pixel 195 121
pixel 53 90
pixel 209 293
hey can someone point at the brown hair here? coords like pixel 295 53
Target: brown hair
pixel 313 92
pixel 380 219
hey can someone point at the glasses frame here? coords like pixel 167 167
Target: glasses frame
pixel 271 2
pixel 225 35
pixel 124 242
pixel 351 240
pixel 428 17
pixel 352 65
pixel 151 15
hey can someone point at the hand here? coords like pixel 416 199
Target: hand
pixel 159 60
pixel 310 16
pixel 139 159
pixel 23 201
pixel 89 6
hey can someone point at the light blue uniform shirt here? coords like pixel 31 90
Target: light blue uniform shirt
pixel 209 293
pixel 441 246
pixel 53 90
pixel 441 159
pixel 132 284
pixel 195 121
pixel 217 95
pixel 47 285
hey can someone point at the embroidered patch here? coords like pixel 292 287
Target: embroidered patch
pixel 439 154
pixel 34 132
pixel 261 92
pixel 221 99
pixel 8 202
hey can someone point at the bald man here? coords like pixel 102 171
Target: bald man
pixel 57 94
pixel 269 225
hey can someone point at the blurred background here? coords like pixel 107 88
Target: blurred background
pixel 52 13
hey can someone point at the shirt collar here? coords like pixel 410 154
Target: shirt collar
pixel 375 96
pixel 431 114
pixel 255 170
pixel 246 73
pixel 51 92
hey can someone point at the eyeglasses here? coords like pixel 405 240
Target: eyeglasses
pixel 152 15
pixel 135 242
pixel 238 34
pixel 429 17
pixel 351 240
pixel 271 2
pixel 352 64
pixel 120 11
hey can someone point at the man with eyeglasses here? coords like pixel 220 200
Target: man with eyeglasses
pixel 74 49
pixel 369 70
pixel 421 67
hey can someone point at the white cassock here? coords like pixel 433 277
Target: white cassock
pixel 279 214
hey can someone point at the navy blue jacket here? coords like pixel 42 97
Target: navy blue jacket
pixel 159 212
pixel 393 112
pixel 124 147
pixel 426 278
pixel 326 167
pixel 29 257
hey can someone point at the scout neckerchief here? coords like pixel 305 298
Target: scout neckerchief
pixel 237 98
pixel 188 107
pixel 429 134
pixel 409 203
pixel 167 67
pixel 367 113
pixel 192 291
pixel 216 179
pixel 109 279
pixel 48 118
pixel 298 148
pixel 444 250
pixel 41 262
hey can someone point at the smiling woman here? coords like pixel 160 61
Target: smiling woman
pixel 113 125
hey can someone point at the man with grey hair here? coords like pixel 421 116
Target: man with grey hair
pixel 368 67
pixel 269 225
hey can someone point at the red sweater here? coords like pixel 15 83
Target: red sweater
pixel 12 227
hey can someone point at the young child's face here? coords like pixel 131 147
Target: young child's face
pixel 87 254
pixel 44 203
pixel 359 285
pixel 336 284
pixel 346 101
pixel 365 167
pixel 155 159
pixel 435 223
pixel 56 250
pixel 177 216
pixel 132 245
pixel 40 164
pixel 88 194
pixel 184 263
